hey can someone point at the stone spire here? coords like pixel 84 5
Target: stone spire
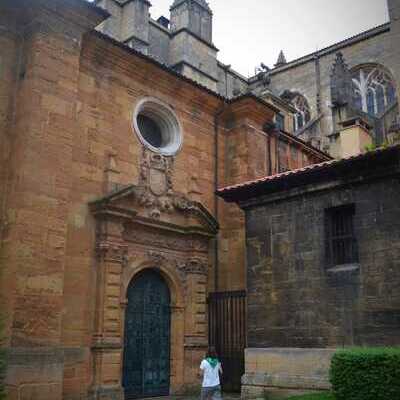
pixel 281 59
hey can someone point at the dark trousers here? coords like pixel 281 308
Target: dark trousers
pixel 213 393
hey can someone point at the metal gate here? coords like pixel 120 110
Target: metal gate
pixel 147 338
pixel 227 333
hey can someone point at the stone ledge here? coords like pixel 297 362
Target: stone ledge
pixel 286 381
pixel 271 393
pixel 282 370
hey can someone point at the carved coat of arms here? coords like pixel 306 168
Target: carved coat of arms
pixel 156 183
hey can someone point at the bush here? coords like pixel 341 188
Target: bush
pixel 366 374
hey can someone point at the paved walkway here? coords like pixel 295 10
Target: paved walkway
pixel 225 397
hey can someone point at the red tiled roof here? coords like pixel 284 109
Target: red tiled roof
pixel 302 171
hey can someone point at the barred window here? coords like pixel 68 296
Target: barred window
pixel 341 243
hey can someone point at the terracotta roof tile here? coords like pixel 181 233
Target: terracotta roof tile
pixel 301 171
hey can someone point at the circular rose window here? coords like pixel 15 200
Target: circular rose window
pixel 157 127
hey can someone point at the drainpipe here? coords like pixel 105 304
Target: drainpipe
pixel 217 117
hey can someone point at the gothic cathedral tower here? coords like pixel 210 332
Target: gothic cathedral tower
pixel 194 16
pixel 192 50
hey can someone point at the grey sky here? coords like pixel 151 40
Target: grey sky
pixel 248 32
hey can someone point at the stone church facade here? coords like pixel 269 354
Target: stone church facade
pixel 115 133
pixel 111 234
pixel 356 77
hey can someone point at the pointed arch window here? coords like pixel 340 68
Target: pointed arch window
pixel 374 89
pixel 303 115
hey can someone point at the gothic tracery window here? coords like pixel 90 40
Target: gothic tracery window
pixel 374 90
pixel 303 112
pixel 303 115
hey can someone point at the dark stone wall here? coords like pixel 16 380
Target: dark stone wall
pixel 294 300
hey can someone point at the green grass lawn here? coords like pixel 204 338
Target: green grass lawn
pixel 314 396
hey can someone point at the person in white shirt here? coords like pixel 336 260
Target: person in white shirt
pixel 211 368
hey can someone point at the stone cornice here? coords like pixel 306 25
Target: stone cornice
pixel 104 40
pixel 134 37
pixel 180 63
pixel 231 71
pixel 127 215
pixel 108 207
pixel 189 32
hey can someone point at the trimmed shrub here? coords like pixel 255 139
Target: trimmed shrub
pixel 366 374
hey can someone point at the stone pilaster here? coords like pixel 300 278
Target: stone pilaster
pixel 43 130
pixel 196 341
pixel 107 339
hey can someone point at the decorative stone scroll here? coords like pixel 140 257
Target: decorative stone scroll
pixel 114 252
pixel 158 240
pixel 156 257
pixel 194 266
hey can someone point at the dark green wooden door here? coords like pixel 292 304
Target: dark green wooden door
pixel 147 337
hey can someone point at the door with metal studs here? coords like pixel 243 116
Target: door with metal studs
pixel 147 337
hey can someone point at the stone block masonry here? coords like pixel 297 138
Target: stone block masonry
pixel 278 373
pixel 323 272
pixel 66 120
pixel 293 296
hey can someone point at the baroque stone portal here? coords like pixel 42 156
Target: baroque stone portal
pixel 150 227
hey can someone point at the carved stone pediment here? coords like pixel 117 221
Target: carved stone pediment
pixel 134 203
pixel 151 214
pixel 154 201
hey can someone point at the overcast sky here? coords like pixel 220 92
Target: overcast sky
pixel 248 32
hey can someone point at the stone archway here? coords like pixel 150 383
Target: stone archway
pixel 147 344
pixel 137 230
pixel 153 261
